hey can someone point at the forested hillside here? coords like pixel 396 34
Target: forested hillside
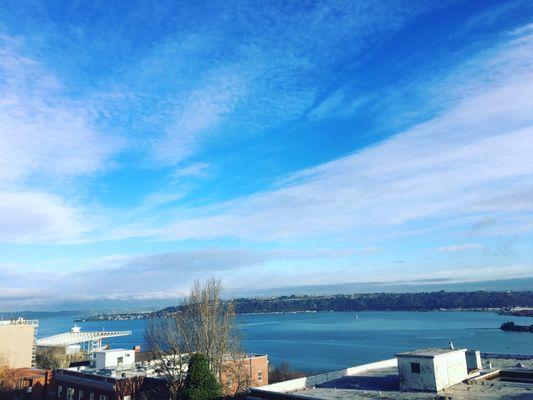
pixel 382 302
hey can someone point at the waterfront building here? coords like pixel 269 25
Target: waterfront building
pixel 17 343
pixel 419 374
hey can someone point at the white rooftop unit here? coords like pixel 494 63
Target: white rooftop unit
pixel 116 358
pixel 431 369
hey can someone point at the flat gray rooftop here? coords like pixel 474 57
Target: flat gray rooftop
pixel 383 383
pixel 496 390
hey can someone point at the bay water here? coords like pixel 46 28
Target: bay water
pixel 326 341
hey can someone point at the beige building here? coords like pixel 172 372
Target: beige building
pixel 17 343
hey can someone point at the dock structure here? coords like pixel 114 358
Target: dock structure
pixel 88 341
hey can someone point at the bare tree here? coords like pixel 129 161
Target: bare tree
pixel 204 323
pixel 55 358
pixel 166 344
pixel 236 375
pixel 51 358
pixel 207 324
pixel 283 372
pixel 7 379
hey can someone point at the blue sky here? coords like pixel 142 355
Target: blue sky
pixel 271 144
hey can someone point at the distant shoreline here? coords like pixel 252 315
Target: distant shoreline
pixel 495 310
pixel 507 303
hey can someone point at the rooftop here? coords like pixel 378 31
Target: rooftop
pixel 381 381
pixel 427 352
pixel 114 350
pixel 19 321
pixel 101 375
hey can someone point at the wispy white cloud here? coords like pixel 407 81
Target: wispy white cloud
pixel 370 250
pixel 463 162
pixel 280 62
pixel 42 132
pixel 198 116
pixel 336 105
pixel 443 168
pixel 46 139
pixel 194 170
pixel 460 247
pixel 38 217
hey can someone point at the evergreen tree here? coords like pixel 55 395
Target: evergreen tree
pixel 200 383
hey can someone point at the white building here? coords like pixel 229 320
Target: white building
pixel 431 369
pixel 116 358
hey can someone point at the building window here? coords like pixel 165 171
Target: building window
pixel 59 391
pixel 70 393
pixel 80 394
pixel 91 396
pixel 415 368
pixel 260 376
pixel 102 397
pixel 120 360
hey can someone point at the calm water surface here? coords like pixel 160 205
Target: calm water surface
pixel 327 341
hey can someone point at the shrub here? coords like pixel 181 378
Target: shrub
pixel 200 383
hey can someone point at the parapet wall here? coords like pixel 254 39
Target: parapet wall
pixel 508 356
pixel 310 381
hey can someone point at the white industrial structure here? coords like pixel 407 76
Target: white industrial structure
pixel 75 340
pixel 432 369
pixel 116 358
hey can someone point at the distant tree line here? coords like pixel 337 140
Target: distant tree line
pixel 282 372
pixel 423 301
